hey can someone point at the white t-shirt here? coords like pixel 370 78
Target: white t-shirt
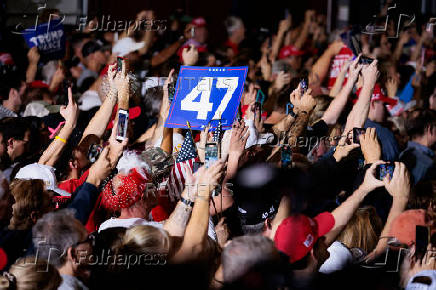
pixel 340 257
pixel 128 223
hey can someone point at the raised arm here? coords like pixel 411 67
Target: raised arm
pixel 284 26
pixel 322 65
pixel 195 239
pixel 175 225
pixel 399 188
pixel 359 113
pixel 98 123
pixel 163 113
pixel 54 150
pixel 334 91
pixel 86 195
pixel 335 108
pixel 345 211
pixel 33 58
pixel 302 37
pixel 238 140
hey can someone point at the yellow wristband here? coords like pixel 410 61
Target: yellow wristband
pixel 60 139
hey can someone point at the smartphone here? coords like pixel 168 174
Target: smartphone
pixel 422 239
pixel 210 154
pixel 192 32
pixel 365 60
pixel 354 44
pixel 260 98
pixel 356 133
pixel 171 91
pixel 289 108
pixel 196 165
pixel 286 13
pixel 383 170
pixel 94 152
pixel 123 122
pixel 286 156
pixel 119 63
pixel 303 86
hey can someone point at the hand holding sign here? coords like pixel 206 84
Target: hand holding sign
pixel 204 94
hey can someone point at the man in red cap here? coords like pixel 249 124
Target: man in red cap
pixel 305 240
pixel 196 32
pixel 292 55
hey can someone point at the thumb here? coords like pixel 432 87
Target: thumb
pixel 353 146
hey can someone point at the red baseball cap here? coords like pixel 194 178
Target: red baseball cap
pixel 378 95
pixel 38 85
pixel 199 22
pixel 134 113
pixel 289 50
pixel 297 234
pixel 404 226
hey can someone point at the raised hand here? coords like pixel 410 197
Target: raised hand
pixel 190 55
pixel 208 178
pixel 122 80
pixel 282 80
pixel 392 87
pixel 165 106
pixel 370 74
pixel 305 103
pixel 70 112
pixel 370 146
pixel 239 138
pixel 115 147
pixel 370 182
pixel 343 150
pixel 354 70
pixel 398 185
pixel 33 55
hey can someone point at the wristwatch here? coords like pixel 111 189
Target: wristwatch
pixel 187 202
pixel 290 110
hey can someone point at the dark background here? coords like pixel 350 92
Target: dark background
pixel 255 13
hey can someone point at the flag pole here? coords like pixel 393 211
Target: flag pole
pixel 192 137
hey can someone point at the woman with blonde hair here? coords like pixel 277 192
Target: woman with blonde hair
pixel 357 239
pixel 31 273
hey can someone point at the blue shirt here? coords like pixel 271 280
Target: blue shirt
pixel 418 160
pixel 387 141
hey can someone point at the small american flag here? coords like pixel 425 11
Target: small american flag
pixel 187 155
pixel 218 132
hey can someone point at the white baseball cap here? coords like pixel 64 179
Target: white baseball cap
pixel 88 100
pixel 44 173
pixel 415 285
pixel 126 45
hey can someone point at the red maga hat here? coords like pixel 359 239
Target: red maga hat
pixel 289 50
pixel 378 95
pixel 297 234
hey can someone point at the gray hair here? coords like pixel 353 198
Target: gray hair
pixel 54 233
pixel 245 252
pixel 232 23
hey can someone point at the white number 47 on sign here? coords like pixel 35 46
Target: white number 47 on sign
pixel 203 88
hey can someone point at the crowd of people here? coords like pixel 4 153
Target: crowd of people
pixel 329 187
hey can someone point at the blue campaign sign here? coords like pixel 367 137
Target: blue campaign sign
pixel 204 94
pixel 48 37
